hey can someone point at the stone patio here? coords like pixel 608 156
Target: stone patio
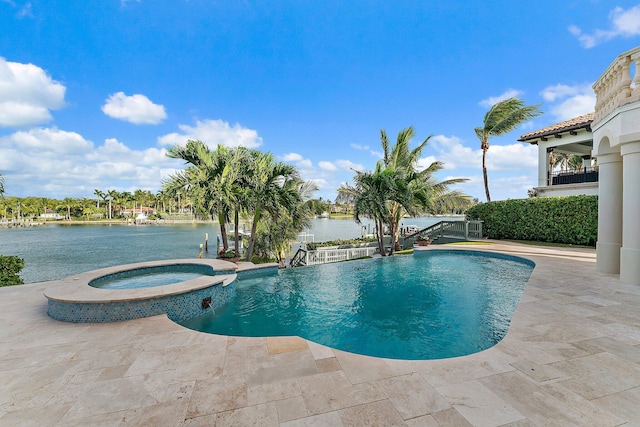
pixel 571 357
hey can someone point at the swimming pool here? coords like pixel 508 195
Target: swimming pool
pixel 431 305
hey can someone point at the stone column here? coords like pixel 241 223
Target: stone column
pixel 543 166
pixel 609 213
pixel 630 252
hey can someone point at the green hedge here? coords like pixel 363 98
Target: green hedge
pixel 570 220
pixel 10 268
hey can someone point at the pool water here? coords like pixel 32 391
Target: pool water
pixel 151 276
pixel 430 305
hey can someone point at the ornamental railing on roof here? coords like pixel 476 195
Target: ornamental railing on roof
pixel 614 88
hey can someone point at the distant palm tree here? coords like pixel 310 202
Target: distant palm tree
pixel 100 195
pixel 503 117
pixel 112 195
pixel 1 185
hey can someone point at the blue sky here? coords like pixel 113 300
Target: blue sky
pixel 93 92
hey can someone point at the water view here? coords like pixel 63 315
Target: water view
pixel 57 250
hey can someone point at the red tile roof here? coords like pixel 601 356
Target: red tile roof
pixel 580 122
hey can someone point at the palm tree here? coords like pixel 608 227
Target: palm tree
pixel 415 191
pixel 269 190
pixel 274 233
pixel 503 117
pixel 1 185
pixel 100 195
pixel 369 195
pixel 67 204
pixel 397 187
pixel 113 195
pixel 210 179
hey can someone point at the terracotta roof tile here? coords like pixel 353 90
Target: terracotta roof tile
pixel 575 123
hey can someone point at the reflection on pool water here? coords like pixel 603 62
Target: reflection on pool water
pixel 152 276
pixel 430 305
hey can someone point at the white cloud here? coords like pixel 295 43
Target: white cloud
pixel 492 100
pixel 624 23
pixel 350 166
pixel 425 162
pixel 374 153
pixel 569 101
pixel 453 153
pixel 55 163
pixel 321 183
pixel 292 157
pixel 512 157
pixel 51 141
pixel 328 166
pixel 27 94
pixel 214 133
pixel 304 164
pixel 136 109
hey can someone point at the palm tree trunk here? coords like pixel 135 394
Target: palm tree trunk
pixel 484 175
pixel 252 238
pixel 236 229
pixel 223 232
pixel 380 233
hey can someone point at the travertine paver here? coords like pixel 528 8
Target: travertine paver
pixel 571 357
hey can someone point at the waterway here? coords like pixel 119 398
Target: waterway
pixel 55 250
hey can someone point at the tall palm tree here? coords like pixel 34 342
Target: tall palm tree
pixel 268 190
pixel 275 232
pixel 502 118
pixel 100 195
pixel 210 178
pixel 1 185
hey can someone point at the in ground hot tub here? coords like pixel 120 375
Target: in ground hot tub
pixel 148 277
pixel 81 298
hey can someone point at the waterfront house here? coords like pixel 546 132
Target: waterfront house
pixel 50 214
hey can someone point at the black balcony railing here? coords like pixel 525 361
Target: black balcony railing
pixel 587 174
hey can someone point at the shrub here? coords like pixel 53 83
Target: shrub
pixel 569 220
pixel 261 260
pixel 10 268
pixel 227 255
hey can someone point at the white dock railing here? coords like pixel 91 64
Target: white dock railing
pixel 334 254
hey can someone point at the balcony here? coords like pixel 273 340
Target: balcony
pixel 586 174
pixel 615 88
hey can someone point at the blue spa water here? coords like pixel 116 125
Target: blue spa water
pixel 151 276
pixel 430 305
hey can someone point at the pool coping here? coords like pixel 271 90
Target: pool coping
pixel 76 288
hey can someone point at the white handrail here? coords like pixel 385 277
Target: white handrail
pixel 333 254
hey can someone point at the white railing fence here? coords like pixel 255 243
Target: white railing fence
pixel 333 254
